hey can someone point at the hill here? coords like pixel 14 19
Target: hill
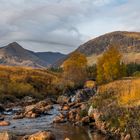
pixel 15 55
pixel 128 43
pixel 24 81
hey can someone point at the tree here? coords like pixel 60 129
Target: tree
pixel 110 66
pixel 75 68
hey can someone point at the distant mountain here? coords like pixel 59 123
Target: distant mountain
pixel 15 55
pixel 128 43
pixel 50 57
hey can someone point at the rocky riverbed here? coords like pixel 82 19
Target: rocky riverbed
pixel 70 117
pixel 28 126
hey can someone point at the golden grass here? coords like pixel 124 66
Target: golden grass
pixel 130 93
pixel 126 91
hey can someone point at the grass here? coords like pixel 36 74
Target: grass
pixel 24 81
pixel 119 103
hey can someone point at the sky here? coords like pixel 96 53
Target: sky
pixel 63 25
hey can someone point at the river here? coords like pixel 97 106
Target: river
pixel 28 126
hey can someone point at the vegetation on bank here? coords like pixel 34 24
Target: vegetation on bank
pixel 119 103
pixel 21 81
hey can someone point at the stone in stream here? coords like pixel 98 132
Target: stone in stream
pixel 42 135
pixel 35 110
pixel 4 123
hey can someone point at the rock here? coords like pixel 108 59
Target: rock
pixel 29 108
pixel 127 137
pixel 41 104
pixel 58 119
pixel 21 116
pixel 63 99
pixel 67 139
pixel 28 100
pixel 42 135
pixel 83 95
pixel 65 108
pixel 98 122
pixel 7 136
pixel 48 107
pixel 85 120
pixel 72 115
pixel 4 123
pixel 90 111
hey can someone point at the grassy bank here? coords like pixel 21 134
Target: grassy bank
pixel 23 81
pixel 119 102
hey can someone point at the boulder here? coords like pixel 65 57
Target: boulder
pixel 4 123
pixel 42 135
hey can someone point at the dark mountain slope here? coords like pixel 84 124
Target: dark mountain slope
pixel 128 43
pixel 15 55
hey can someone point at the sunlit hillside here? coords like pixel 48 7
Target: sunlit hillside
pixel 24 81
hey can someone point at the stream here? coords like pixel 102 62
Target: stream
pixel 64 130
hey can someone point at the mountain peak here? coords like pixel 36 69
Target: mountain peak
pixel 14 45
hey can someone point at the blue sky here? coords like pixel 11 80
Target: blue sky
pixel 63 25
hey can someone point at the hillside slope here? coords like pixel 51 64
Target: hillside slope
pixel 128 43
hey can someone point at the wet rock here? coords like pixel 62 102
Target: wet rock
pixel 59 119
pixel 85 120
pixel 83 95
pixel 72 115
pixel 28 100
pixel 48 107
pixel 38 109
pixel 65 108
pixel 7 136
pixel 42 135
pixel 21 116
pixel 63 99
pixel 4 123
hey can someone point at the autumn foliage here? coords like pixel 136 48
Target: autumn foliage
pixel 109 66
pixel 75 69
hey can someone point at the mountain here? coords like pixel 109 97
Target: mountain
pixel 50 57
pixel 15 55
pixel 128 43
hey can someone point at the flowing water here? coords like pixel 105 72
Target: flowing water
pixel 61 131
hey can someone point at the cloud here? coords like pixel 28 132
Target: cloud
pixel 62 25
